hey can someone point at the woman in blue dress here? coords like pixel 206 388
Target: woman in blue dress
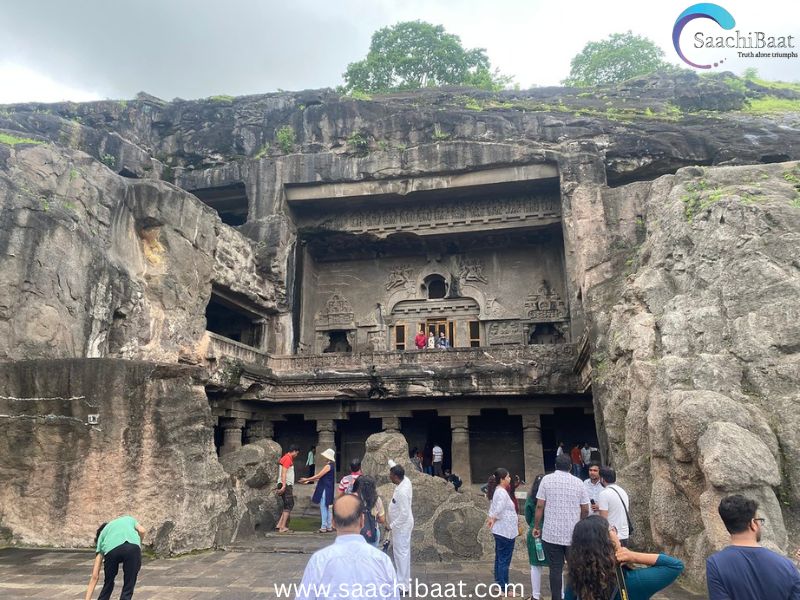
pixel 593 559
pixel 323 493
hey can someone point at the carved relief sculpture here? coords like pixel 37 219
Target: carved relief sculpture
pixel 338 311
pixel 471 270
pixel 399 276
pixel 505 332
pixel 546 306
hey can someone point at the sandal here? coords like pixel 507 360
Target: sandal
pixel 322 530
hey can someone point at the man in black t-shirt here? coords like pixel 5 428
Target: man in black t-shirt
pixel 744 570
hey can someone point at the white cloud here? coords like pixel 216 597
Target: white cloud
pixel 21 84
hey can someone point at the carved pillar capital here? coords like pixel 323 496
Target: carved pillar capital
pixel 326 425
pixel 390 424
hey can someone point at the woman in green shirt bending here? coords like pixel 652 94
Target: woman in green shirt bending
pixel 118 541
pixel 595 556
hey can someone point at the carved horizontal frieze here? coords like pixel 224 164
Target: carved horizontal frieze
pixel 441 215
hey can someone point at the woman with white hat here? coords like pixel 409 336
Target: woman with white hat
pixel 323 494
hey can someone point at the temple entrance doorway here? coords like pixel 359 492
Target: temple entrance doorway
pixel 438 326
pixel 495 440
pixel 425 430
pixel 351 437
pixel 569 425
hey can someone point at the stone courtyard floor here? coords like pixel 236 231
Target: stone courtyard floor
pixel 231 575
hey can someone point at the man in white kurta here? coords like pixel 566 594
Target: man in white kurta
pixel 350 567
pixel 401 523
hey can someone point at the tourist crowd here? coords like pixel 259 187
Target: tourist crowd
pixel 585 524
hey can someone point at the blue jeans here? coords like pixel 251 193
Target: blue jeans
pixel 503 549
pixel 324 512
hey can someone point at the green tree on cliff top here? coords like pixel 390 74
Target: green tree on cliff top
pixel 415 54
pixel 620 57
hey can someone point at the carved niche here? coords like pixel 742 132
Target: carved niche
pixel 545 305
pixel 505 332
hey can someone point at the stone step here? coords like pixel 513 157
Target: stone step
pixel 291 543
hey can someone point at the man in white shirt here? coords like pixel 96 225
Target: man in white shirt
pixel 586 458
pixel 593 485
pixel 401 524
pixel 567 503
pixel 614 504
pixel 438 457
pixel 350 566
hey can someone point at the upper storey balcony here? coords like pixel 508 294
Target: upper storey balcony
pixel 493 370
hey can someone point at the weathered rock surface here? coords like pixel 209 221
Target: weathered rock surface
pixel 96 265
pixel 254 475
pixel 448 525
pixel 697 368
pixel 150 454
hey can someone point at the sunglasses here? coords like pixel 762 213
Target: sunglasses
pixel 760 520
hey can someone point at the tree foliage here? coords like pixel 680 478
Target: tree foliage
pixel 620 57
pixel 415 54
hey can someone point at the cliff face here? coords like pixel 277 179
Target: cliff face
pixel 696 368
pixel 686 279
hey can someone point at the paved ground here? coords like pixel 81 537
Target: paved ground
pixel 233 575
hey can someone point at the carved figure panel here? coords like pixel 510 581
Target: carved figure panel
pixel 545 305
pixel 505 332
pixel 471 270
pixel 400 276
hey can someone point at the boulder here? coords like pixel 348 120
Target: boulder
pixel 448 525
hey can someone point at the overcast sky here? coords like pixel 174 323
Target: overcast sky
pixel 52 50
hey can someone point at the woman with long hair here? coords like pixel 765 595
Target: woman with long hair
pixel 323 493
pixel 365 488
pixel 595 559
pixel 504 525
pixel 535 562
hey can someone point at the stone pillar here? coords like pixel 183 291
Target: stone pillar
pixel 259 430
pixel 231 435
pixel 459 448
pixel 390 424
pixel 326 429
pixel 532 446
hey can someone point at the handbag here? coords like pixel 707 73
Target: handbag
pixel 627 514
pixel 622 585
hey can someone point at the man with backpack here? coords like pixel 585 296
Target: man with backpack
pixel 346 484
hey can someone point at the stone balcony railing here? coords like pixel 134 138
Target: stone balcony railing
pixel 521 369
pixel 454 357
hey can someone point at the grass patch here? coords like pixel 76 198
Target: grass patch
pixel 304 524
pixel 777 85
pixel 12 140
pixel 262 152
pixel 286 138
pixel 772 105
pixel 357 95
pixel 222 99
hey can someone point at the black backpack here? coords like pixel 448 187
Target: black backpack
pixel 370 528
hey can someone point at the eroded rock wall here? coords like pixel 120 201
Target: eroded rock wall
pixel 97 265
pixel 697 362
pixel 151 454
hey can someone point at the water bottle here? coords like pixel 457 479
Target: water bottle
pixel 537 543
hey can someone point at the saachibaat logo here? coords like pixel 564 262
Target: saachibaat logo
pixel 704 10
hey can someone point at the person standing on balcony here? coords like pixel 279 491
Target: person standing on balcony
pixel 431 344
pixel 442 343
pixel 420 341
